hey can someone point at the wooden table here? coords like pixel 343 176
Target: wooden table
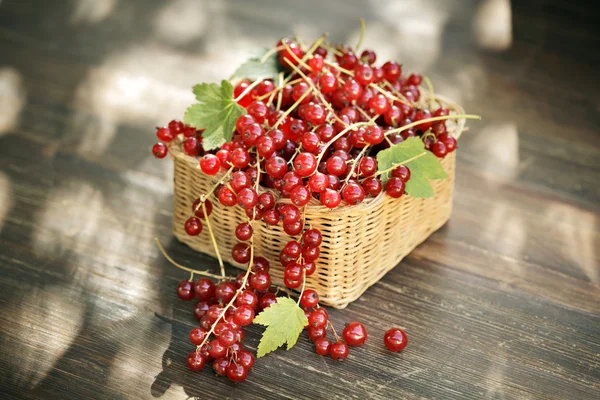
pixel 501 303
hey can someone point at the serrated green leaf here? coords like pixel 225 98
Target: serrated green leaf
pixel 284 320
pixel 215 112
pixel 422 169
pixel 254 69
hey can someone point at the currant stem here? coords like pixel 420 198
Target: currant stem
pixel 342 133
pixel 344 70
pixel 248 89
pixel 295 57
pixel 212 237
pixel 289 110
pixel 192 271
pixel 398 94
pixel 333 330
pixel 280 93
pixel 433 119
pixel 363 27
pixel 309 53
pixel 264 96
pixel 394 165
pixel 388 94
pixel 356 162
pixel 235 296
pixel 318 93
pixel 270 53
pixel 303 285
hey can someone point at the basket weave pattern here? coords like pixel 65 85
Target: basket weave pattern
pixel 360 243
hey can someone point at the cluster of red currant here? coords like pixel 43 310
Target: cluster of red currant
pixel 223 309
pixel 316 135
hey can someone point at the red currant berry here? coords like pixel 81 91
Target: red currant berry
pixel 394 187
pixel 372 186
pixel 450 143
pixel 328 82
pixel 293 271
pixel 240 158
pixel 318 318
pixel 245 359
pixel 395 339
pixel 266 300
pixel 196 361
pixel 241 253
pixel 210 164
pixel 339 351
pixel 439 149
pixel 260 281
pixel 224 292
pixel 312 238
pixel 379 104
pixel 227 337
pixel 204 289
pixel 197 336
pixel 248 298
pixel 220 366
pixel 336 165
pixel 294 228
pixel 322 346
pixel 247 198
pixel 315 333
pixel 401 172
pixel 353 193
pixel 290 213
pixel 237 372
pixel 199 210
pixel 185 290
pixel 243 231
pixel 368 56
pixel 216 349
pixel 355 334
pixel 164 134
pixel 316 63
pixel 318 182
pixel 243 315
pixel 363 74
pixel 330 198
pixel 300 196
pixel 227 197
pixel 310 253
pixel 305 164
pixel 373 135
pixel 160 150
pixel 193 226
pixel 392 71
pixel 414 79
pixel 276 167
pixel 271 217
pixel 190 131
pixel 258 110
pixel 200 308
pixel 309 299
pixel 191 146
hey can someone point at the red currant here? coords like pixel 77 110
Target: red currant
pixel 339 351
pixel 309 299
pixel 196 361
pixel 210 164
pixel 322 346
pixel 160 150
pixel 185 290
pixel 395 339
pixel 355 334
pixel 193 226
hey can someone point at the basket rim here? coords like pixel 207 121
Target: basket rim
pixel 369 203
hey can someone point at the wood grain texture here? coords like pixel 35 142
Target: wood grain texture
pixel 501 303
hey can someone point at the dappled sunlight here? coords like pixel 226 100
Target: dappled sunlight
pixel 96 223
pixel 91 11
pixel 578 230
pixel 49 333
pixel 410 32
pixel 492 26
pixel 12 98
pixel 495 151
pixel 181 21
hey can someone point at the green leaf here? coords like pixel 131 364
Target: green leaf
pixel 422 169
pixel 284 320
pixel 215 112
pixel 253 68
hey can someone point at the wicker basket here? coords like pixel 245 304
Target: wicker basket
pixel 360 243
